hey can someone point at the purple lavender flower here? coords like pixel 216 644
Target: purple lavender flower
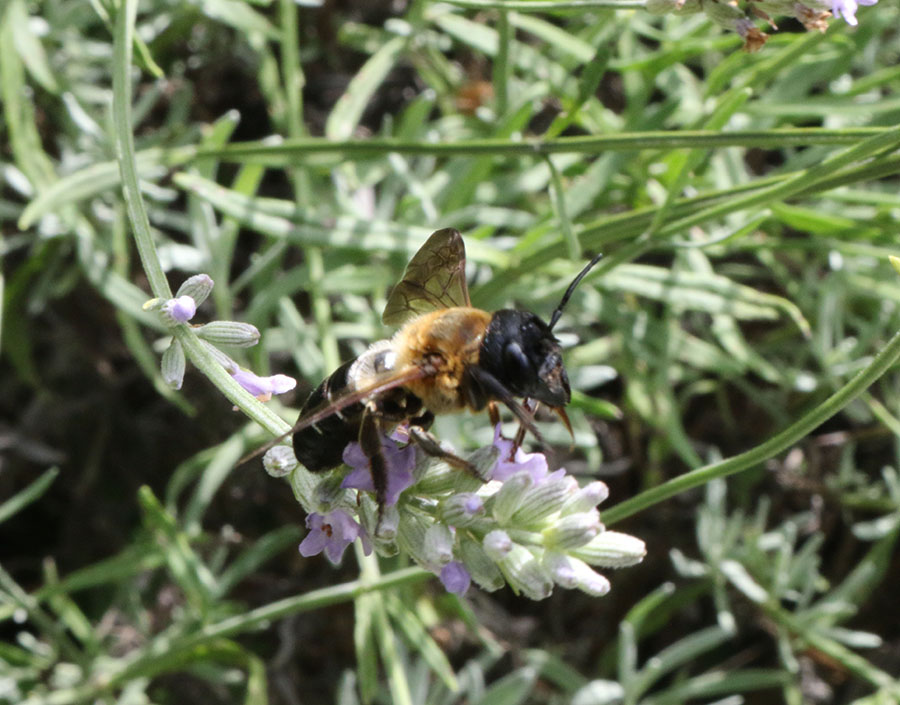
pixel 533 463
pixel 400 463
pixel 455 578
pixel 332 533
pixel 180 310
pixel 263 387
pixel 847 9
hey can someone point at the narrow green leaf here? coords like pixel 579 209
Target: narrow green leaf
pixel 185 565
pixel 99 178
pixel 30 494
pixel 348 110
pixel 512 689
pixel 420 640
pixel 263 549
pixel 30 49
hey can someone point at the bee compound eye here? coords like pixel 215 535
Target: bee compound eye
pixel 516 359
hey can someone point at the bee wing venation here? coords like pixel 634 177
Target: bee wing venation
pixel 383 383
pixel 435 278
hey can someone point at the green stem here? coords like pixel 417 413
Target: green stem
pixel 294 80
pixel 775 445
pixel 502 66
pixel 287 152
pixel 140 225
pixel 870 146
pixel 137 214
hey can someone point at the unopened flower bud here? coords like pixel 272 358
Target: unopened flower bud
pixel 438 546
pixel 497 544
pixel 411 536
pixel 482 569
pixel 241 335
pixel 439 477
pixel 585 498
pixel 463 509
pixel 524 573
pixel 483 460
pixel 456 578
pixel 279 461
pixel 542 500
pixel 181 309
pixel 510 496
pixel 570 572
pixel 173 365
pixel 573 530
pixel 327 492
pixel 612 549
pixel 387 530
pixel 197 287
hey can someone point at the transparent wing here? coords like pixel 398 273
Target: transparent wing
pixel 383 383
pixel 330 407
pixel 435 278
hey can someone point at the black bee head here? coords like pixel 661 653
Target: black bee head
pixel 520 352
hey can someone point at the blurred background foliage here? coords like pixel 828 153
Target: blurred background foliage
pixel 299 153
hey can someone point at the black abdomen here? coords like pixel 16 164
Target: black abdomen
pixel 321 446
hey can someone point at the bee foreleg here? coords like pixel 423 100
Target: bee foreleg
pixel 430 446
pixel 520 432
pixel 494 389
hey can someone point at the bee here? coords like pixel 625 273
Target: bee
pixel 445 357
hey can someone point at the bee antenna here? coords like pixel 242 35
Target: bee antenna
pixel 575 282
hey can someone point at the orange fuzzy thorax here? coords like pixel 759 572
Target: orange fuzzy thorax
pixel 450 339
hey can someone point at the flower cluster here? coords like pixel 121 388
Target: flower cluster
pixel 518 524
pixel 730 14
pixel 180 309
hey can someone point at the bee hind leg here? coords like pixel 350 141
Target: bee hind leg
pixel 370 433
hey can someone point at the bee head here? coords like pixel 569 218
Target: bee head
pixel 519 350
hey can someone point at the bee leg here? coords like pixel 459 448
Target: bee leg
pixel 370 444
pixel 429 444
pixel 520 433
pixel 493 413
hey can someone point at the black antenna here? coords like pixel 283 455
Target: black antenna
pixel 575 282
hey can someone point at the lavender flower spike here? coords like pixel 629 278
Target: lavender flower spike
pixel 263 387
pixel 332 533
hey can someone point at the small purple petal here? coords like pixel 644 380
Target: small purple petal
pixel 400 463
pixel 313 544
pixel 263 387
pixel 474 505
pixel 533 463
pixel 847 9
pixel 180 310
pixel 282 383
pixel 331 533
pixel 455 578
